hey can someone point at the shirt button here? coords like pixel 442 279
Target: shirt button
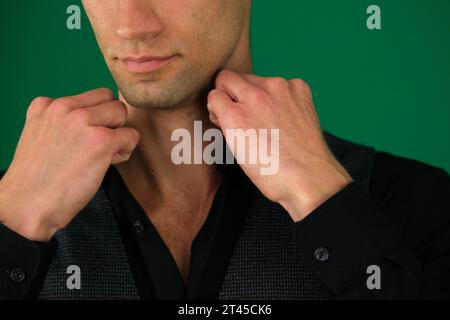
pixel 321 254
pixel 17 275
pixel 138 226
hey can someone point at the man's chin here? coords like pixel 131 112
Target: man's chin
pixel 144 99
pixel 163 92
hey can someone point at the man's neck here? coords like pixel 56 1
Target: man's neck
pixel 151 174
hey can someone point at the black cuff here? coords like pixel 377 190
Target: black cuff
pixel 23 264
pixel 344 236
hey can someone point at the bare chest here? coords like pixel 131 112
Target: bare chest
pixel 178 231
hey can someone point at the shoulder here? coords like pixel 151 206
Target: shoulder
pixel 393 174
pixel 414 197
pixel 394 180
pixel 389 173
pixel 401 165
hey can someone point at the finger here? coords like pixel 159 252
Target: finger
pixel 218 102
pixel 255 80
pixel 233 84
pixel 87 99
pixel 125 141
pixel 272 84
pixel 111 114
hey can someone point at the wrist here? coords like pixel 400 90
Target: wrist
pixel 303 200
pixel 24 218
pixel 33 231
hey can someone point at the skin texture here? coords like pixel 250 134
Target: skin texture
pixel 201 34
pixel 73 140
pixel 63 153
pixel 309 173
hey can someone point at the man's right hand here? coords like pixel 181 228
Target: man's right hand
pixel 65 149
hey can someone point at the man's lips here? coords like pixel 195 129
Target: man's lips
pixel 144 64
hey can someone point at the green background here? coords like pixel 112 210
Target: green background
pixel 387 88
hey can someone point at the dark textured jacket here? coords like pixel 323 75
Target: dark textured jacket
pixel 394 217
pixel 266 263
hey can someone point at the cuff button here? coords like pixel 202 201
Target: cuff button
pixel 321 254
pixel 17 275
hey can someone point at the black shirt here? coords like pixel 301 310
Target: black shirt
pixel 412 196
pixel 157 275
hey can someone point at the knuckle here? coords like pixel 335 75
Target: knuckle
pixel 37 106
pixel 79 116
pixel 61 104
pixel 277 82
pixel 223 73
pixel 297 81
pixel 222 76
pixel 215 102
pixel 41 101
pixel 212 95
pixel 300 84
pixel 107 93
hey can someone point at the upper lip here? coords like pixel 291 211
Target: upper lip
pixel 143 58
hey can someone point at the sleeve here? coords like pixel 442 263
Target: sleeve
pixel 23 265
pixel 398 249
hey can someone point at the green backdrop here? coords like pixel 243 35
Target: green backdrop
pixel 388 88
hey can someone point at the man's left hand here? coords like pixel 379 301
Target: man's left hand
pixel 308 174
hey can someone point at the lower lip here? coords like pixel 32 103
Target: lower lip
pixel 145 66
